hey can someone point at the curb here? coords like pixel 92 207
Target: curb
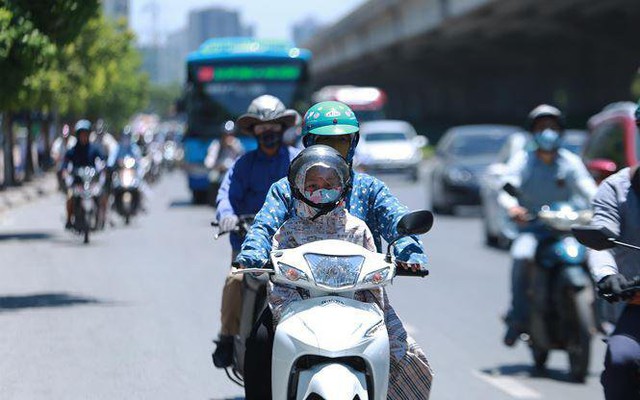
pixel 17 196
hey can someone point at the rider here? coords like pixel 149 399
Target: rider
pixel 617 207
pixel 320 178
pixel 83 154
pixel 106 141
pixel 127 146
pixel 243 191
pixel 223 153
pixel 335 125
pixel 543 175
pixel 59 148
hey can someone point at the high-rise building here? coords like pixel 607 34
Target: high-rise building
pixel 151 62
pixel 173 57
pixel 116 9
pixel 304 30
pixel 214 22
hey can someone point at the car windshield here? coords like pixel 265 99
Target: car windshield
pixel 477 145
pixel 384 137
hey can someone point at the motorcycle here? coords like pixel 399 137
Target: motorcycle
pixel 254 300
pixel 126 189
pixel 561 292
pixel 87 187
pixel 348 357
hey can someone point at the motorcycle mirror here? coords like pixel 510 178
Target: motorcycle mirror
pixel 595 237
pixel 415 223
pixel 512 190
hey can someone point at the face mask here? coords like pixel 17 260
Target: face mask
pixel 270 140
pixel 322 196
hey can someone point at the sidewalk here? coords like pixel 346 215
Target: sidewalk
pixel 16 196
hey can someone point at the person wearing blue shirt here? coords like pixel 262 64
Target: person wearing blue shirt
pixel 83 154
pixel 543 175
pixel 242 192
pixel 333 124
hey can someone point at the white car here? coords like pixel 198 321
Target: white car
pixel 389 146
pixel 499 229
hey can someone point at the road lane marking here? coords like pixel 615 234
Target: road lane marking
pixel 509 385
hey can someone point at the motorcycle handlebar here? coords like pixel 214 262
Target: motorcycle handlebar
pixel 408 272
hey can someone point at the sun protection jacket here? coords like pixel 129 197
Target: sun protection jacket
pixel 369 199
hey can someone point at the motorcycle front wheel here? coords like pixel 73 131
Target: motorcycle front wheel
pixel 579 348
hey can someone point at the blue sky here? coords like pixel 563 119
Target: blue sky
pixel 272 19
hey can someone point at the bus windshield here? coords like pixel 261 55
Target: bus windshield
pixel 221 93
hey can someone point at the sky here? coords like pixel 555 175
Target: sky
pixel 271 18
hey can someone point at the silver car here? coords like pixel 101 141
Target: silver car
pixel 389 146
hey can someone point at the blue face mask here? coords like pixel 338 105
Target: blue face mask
pixel 323 196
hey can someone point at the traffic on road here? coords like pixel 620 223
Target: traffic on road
pixel 255 239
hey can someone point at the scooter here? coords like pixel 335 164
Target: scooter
pixel 331 346
pixel 87 186
pixel 561 293
pixel 254 300
pixel 126 189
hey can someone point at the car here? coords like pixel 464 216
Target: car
pixel 499 229
pixel 614 142
pixel 389 146
pixel 462 157
pixel 574 140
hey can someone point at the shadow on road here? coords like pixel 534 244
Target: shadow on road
pixel 45 300
pixel 529 371
pixel 184 204
pixel 26 236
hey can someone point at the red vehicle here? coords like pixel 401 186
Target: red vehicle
pixel 367 102
pixel 614 141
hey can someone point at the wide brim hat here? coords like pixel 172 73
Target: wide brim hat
pixel 246 121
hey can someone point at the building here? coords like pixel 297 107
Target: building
pixel 172 58
pixel 151 62
pixel 116 9
pixel 214 22
pixel 304 30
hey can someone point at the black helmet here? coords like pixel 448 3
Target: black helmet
pixel 545 110
pixel 265 109
pixel 320 177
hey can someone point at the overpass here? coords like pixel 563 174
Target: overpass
pixel 465 61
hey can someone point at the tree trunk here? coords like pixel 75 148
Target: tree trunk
pixel 7 130
pixel 28 166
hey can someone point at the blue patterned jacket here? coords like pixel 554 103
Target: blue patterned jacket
pixel 369 199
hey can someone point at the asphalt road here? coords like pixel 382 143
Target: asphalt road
pixel 132 315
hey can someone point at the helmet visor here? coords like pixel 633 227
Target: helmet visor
pixel 320 183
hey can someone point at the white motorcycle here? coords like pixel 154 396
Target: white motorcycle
pixel 331 346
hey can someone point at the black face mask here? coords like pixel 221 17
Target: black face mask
pixel 270 139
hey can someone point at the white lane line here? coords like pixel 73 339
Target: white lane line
pixel 508 385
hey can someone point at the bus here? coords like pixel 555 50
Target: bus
pixel 367 102
pixel 223 77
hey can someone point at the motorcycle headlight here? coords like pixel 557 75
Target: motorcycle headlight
pixel 378 276
pixel 291 273
pixel 459 175
pixel 335 271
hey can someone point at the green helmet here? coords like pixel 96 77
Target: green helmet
pixel 330 118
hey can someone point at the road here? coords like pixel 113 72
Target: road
pixel 132 315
